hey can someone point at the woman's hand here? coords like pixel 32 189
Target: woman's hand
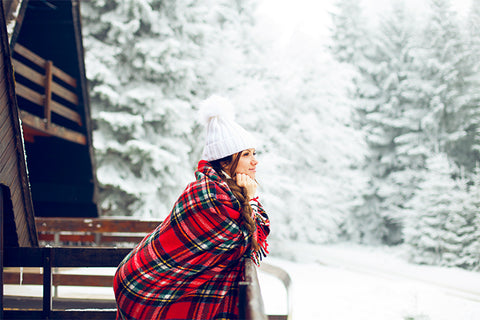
pixel 243 180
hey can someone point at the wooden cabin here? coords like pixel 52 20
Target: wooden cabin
pixel 45 41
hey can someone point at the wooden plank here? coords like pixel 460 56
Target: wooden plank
pixel 47 98
pixel 4 110
pixel 66 112
pixel 39 61
pixel 64 238
pixel 45 236
pixel 62 314
pixel 5 159
pixel 6 166
pixel 28 94
pixel 64 93
pixel 64 77
pixel 65 257
pixel 28 73
pixel 59 279
pixel 16 194
pixel 4 97
pixel 10 170
pixel 40 80
pixel 6 133
pixel 102 240
pixel 19 302
pixel 38 99
pixel 95 224
pixel 21 226
pixel 23 51
pixel 107 238
pixel 54 130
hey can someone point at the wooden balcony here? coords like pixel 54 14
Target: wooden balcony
pixel 46 97
pixel 79 243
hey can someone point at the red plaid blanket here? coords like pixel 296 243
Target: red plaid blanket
pixel 189 267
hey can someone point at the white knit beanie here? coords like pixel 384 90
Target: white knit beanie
pixel 224 136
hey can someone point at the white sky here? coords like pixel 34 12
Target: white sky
pixel 287 17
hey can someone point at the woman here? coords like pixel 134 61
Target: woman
pixel 189 267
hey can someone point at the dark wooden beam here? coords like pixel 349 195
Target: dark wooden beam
pixel 47 99
pixel 2 235
pixel 65 257
pixel 62 314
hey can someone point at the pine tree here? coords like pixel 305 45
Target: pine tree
pixel 446 68
pixel 390 113
pixel 146 70
pixel 433 213
pixel 467 144
pixel 348 31
pixel 471 249
pixel 459 233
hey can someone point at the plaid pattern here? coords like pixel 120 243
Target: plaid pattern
pixel 190 265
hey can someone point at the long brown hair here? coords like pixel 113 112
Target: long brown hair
pixel 239 192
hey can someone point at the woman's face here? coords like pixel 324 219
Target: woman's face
pixel 247 163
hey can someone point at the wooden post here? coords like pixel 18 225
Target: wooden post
pixel 47 282
pixel 242 300
pixel 2 233
pixel 48 93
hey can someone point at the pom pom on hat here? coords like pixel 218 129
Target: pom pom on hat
pixel 224 136
pixel 216 106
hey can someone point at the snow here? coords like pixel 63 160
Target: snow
pixel 343 282
pixel 346 281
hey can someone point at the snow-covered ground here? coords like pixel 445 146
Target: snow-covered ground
pixel 354 282
pixel 350 282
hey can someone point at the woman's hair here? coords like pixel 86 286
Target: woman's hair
pixel 239 192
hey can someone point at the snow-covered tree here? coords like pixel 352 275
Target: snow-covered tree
pixel 311 152
pixel 348 32
pixel 390 112
pixel 471 248
pixel 460 230
pixel 147 69
pixel 149 63
pixel 467 143
pixel 436 212
pixel 445 68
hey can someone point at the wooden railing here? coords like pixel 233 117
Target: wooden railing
pixel 93 231
pixel 49 258
pixel 73 235
pixel 49 88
